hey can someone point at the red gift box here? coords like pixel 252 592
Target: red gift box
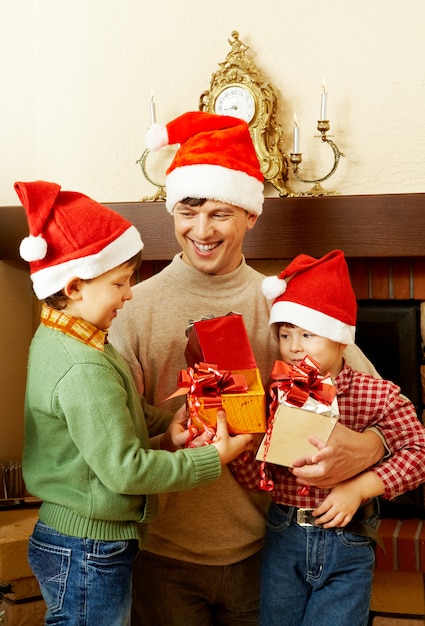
pixel 223 342
pixel 220 340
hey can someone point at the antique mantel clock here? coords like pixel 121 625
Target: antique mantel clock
pixel 238 89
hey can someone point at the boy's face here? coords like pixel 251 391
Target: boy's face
pixel 211 235
pixel 97 301
pixel 295 343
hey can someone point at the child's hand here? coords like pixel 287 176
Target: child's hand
pixel 228 447
pixel 176 434
pixel 339 506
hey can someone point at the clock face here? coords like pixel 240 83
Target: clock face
pixel 235 101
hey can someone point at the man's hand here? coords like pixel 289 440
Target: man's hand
pixel 346 454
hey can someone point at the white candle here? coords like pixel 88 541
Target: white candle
pixel 323 103
pixel 152 109
pixel 296 147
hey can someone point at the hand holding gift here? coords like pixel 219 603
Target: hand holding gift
pixel 178 433
pixel 228 447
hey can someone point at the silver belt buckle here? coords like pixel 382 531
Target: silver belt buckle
pixel 302 516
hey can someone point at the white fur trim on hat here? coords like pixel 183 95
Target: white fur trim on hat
pixel 52 279
pixel 313 321
pixel 214 182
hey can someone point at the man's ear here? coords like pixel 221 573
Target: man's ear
pixel 72 289
pixel 252 220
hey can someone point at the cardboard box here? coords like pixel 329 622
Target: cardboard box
pixel 306 406
pixel 223 342
pixel 291 428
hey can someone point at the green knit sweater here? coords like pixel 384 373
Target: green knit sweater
pixel 86 452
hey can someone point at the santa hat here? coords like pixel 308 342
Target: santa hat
pixel 315 294
pixel 216 160
pixel 71 235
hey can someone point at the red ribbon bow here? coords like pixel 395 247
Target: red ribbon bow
pixel 206 381
pixel 298 382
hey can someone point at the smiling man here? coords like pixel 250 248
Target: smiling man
pixel 211 234
pixel 202 557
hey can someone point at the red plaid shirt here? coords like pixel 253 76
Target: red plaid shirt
pixel 363 402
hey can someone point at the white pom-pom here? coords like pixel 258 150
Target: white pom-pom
pixel 273 286
pixel 33 248
pixel 156 137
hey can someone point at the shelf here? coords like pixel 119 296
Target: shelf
pixel 381 225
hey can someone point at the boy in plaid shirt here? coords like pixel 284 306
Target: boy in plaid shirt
pixel 318 555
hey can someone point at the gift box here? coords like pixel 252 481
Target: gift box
pixel 222 343
pixel 303 404
pixel 221 340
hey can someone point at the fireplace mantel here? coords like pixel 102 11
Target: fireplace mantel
pixel 371 226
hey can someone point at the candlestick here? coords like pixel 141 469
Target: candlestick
pixel 160 194
pixel 323 103
pixel 317 190
pixel 152 109
pixel 296 147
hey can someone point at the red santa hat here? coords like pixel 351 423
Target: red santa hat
pixel 71 235
pixel 216 160
pixel 315 294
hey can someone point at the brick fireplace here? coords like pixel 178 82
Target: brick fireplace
pixel 390 294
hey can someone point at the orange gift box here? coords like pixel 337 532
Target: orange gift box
pixel 223 343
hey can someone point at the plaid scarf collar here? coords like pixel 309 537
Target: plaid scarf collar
pixel 74 327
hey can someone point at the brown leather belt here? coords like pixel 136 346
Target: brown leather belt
pixel 358 524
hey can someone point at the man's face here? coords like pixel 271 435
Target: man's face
pixel 211 235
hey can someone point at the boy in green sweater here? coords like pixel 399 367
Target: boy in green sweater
pixel 87 453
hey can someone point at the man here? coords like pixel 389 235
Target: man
pixel 203 552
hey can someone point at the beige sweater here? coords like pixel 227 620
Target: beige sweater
pixel 219 523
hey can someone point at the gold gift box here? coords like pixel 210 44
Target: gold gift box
pixel 224 342
pixel 245 411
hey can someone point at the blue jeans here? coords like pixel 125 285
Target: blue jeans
pixel 311 576
pixel 83 582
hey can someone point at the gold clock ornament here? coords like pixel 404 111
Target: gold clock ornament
pixel 238 89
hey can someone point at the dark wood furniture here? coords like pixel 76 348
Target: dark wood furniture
pixel 382 225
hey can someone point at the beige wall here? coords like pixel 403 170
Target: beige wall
pixel 77 79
